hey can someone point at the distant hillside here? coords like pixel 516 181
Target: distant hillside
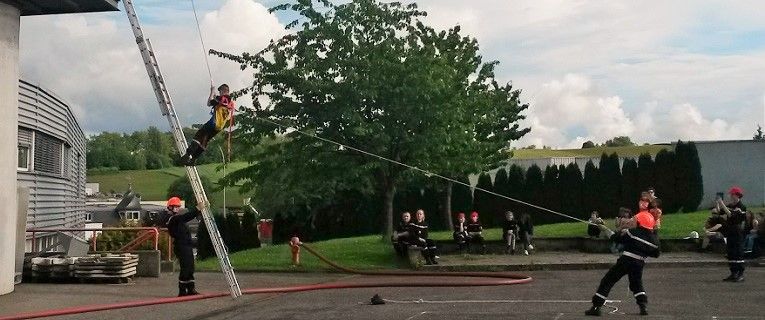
pixel 153 184
pixel 589 152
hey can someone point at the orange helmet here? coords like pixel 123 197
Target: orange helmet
pixel 174 202
pixel 645 220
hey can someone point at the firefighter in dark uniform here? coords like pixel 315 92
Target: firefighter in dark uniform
pixel 400 236
pixel 735 217
pixel 418 233
pixel 183 247
pixel 460 234
pixel 475 231
pixel 639 242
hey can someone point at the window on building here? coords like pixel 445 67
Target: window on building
pixel 23 163
pixel 47 154
pixel 131 215
pixel 88 216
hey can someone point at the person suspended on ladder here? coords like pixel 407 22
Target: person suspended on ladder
pixel 222 112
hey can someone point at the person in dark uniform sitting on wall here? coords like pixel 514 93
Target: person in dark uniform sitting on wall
pixel 475 231
pixel 639 242
pixel 460 233
pixel 183 247
pixel 526 232
pixel 510 232
pixel 735 216
pixel 418 232
pixel 401 234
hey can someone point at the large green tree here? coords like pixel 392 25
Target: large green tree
pixel 371 75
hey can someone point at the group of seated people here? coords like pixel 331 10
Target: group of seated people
pixel 467 233
pixel 414 233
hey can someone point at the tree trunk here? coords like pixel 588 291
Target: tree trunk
pixel 446 205
pixel 390 192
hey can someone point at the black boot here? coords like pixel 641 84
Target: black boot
pixel 593 311
pixel 739 277
pixel 182 289
pixel 192 154
pixel 190 289
pixel 731 277
pixel 643 310
pixel 433 257
pixel 188 159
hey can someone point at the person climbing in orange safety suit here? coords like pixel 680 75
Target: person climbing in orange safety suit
pixel 222 111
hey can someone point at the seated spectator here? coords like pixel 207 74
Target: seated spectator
pixel 510 232
pixel 713 229
pixel 750 230
pixel 418 233
pixel 400 236
pixel 525 232
pixel 460 234
pixel 621 222
pixel 592 226
pixel 656 212
pixel 475 231
pixel 645 198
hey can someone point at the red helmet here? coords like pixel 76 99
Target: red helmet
pixel 461 215
pixel 474 214
pixel 645 220
pixel 737 191
pixel 174 202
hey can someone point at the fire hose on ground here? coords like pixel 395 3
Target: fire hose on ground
pixel 489 279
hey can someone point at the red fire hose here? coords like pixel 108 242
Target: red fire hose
pixel 491 279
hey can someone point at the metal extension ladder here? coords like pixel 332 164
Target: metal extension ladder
pixel 166 106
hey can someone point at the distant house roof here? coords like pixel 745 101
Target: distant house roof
pixel 130 201
pixel 39 7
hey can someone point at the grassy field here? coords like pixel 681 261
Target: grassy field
pixel 370 252
pixel 367 252
pixel 153 184
pixel 590 152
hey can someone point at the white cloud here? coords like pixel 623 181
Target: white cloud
pixel 92 61
pixel 565 113
pixel 574 104
pixel 591 70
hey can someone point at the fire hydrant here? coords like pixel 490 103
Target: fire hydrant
pixel 295 247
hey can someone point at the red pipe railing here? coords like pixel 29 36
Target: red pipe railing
pixel 151 230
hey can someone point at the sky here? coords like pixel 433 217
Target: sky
pixel 657 71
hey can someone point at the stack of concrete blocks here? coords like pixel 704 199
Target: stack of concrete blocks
pixel 106 267
pixel 52 269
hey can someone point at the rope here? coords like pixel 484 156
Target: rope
pixel 224 174
pixel 426 172
pixel 202 41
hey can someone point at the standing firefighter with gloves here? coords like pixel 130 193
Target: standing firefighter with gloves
pixel 639 243
pixel 734 214
pixel 183 247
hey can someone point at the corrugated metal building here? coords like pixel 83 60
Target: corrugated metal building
pixel 51 162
